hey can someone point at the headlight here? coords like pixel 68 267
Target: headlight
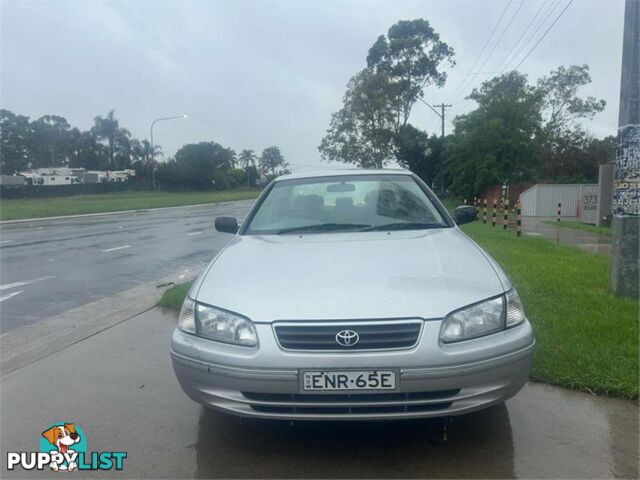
pixel 474 321
pixel 215 324
pixel 483 318
pixel 223 326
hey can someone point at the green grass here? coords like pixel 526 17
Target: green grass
pixel 587 338
pixel 112 202
pixel 173 297
pixel 585 227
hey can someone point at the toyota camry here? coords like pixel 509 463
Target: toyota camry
pixel 351 295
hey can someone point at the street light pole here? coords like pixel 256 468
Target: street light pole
pixel 153 168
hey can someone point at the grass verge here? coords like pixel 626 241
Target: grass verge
pixel 587 338
pixel 585 227
pixel 173 297
pixel 112 202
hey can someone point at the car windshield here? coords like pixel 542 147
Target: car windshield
pixel 345 203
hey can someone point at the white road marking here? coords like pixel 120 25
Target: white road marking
pixel 5 241
pixel 10 295
pixel 7 286
pixel 115 248
pixel 195 233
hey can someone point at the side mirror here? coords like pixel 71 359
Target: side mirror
pixel 464 214
pixel 226 225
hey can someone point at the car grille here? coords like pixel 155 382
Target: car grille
pixel 354 404
pixel 372 335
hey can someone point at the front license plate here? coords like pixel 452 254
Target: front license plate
pixel 349 380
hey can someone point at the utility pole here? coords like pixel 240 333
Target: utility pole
pixel 625 241
pixel 442 106
pixel 440 114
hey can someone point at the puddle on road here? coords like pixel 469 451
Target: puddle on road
pixel 590 242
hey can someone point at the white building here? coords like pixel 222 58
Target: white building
pixel 576 200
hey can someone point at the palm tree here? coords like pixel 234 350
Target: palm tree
pixel 108 129
pixel 247 158
pixel 143 157
pixel 141 151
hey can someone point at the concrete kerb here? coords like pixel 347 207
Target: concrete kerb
pixel 28 344
pixel 140 210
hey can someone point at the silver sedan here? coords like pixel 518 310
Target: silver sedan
pixel 351 295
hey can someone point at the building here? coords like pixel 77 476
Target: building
pixel 576 200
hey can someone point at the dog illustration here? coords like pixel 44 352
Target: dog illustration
pixel 62 436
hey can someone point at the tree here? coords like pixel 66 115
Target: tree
pixel 422 154
pixel 565 143
pixel 143 159
pixel 117 140
pixel 14 142
pixel 500 140
pixel 561 102
pixel 247 158
pixel 86 152
pixel 49 141
pixel 576 157
pixel 195 165
pixel 379 99
pixel 272 161
pixel 410 57
pixel 141 151
pixel 362 131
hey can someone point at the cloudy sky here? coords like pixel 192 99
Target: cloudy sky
pixel 250 74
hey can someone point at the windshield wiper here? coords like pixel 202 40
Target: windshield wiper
pixel 402 226
pixel 324 227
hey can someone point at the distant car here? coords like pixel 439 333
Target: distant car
pixel 349 295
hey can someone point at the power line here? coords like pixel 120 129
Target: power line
pixel 534 32
pixel 429 105
pixel 495 27
pixel 524 32
pixel 544 34
pixel 497 42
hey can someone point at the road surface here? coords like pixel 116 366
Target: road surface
pixel 51 266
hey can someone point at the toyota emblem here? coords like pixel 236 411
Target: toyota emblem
pixel 347 338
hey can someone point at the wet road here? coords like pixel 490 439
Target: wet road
pixel 51 266
pixel 119 387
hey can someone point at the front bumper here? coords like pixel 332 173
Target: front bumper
pixel 433 379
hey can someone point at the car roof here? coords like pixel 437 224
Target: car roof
pixel 344 171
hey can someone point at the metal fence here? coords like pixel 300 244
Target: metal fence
pixel 42 191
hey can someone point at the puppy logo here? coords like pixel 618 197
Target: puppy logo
pixel 63 437
pixel 63 448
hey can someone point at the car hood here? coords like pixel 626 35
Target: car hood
pixel 364 275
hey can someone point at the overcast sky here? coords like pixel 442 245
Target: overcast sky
pixel 250 74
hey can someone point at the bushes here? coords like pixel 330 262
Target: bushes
pixel 171 177
pixel 236 177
